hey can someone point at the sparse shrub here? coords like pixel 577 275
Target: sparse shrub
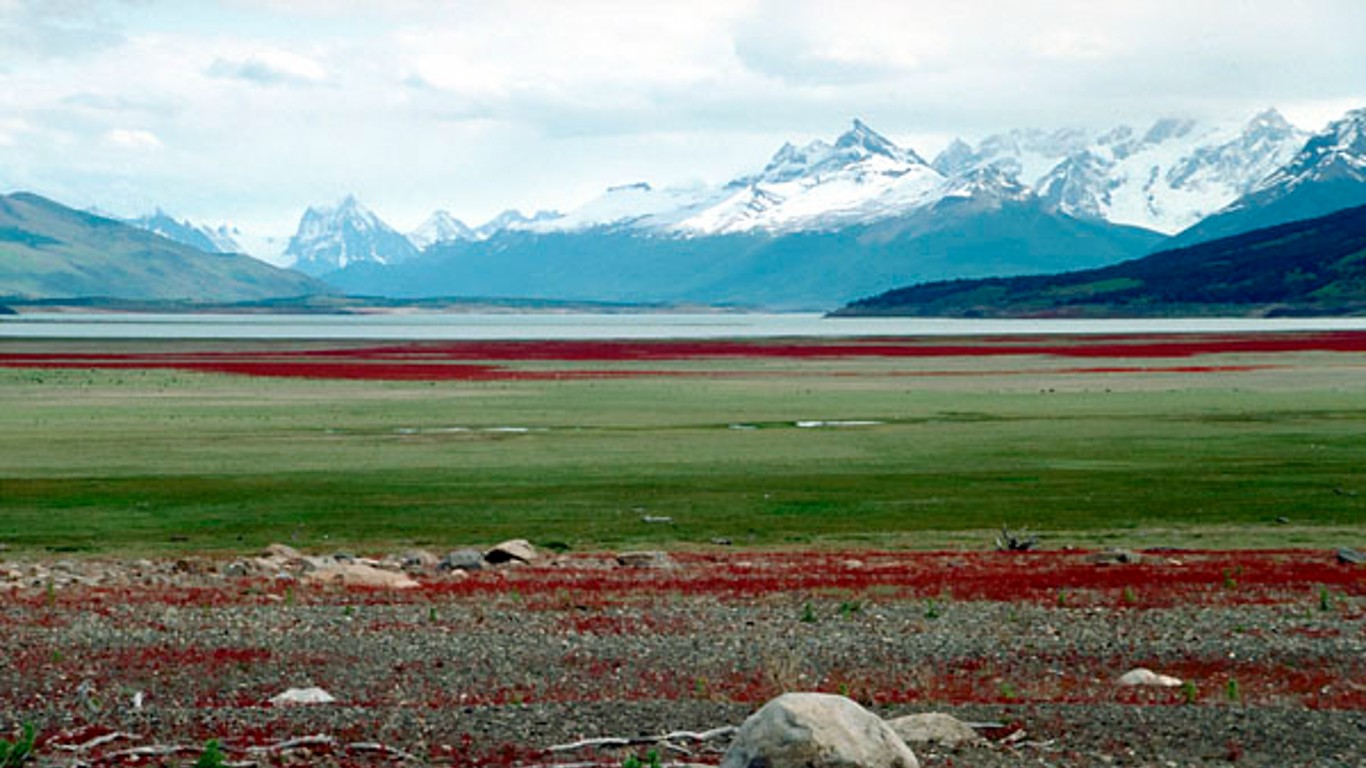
pixel 932 609
pixel 16 752
pixel 1325 599
pixel 212 756
pixel 1010 541
pixel 1189 692
pixel 850 607
pixel 1232 691
pixel 808 614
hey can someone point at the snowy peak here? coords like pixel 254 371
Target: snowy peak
pixel 333 237
pixel 861 142
pixel 207 239
pixel 440 227
pixel 1164 178
pixel 1338 152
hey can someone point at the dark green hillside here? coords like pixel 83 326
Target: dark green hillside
pixel 50 251
pixel 1312 267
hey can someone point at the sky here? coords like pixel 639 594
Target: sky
pixel 248 111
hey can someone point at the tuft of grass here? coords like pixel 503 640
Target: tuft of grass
pixel 15 753
pixel 212 756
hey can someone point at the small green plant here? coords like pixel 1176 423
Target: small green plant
pixel 431 614
pixel 50 593
pixel 1325 599
pixel 1130 596
pixel 289 595
pixel 16 752
pixel 212 756
pixel 1189 692
pixel 932 609
pixel 1231 577
pixel 651 760
pixel 808 614
pixel 349 611
pixel 1232 691
pixel 850 607
pixel 1008 692
pixel 1062 598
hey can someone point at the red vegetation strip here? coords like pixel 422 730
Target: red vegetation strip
pixel 474 361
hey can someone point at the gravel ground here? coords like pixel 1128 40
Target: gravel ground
pixel 494 668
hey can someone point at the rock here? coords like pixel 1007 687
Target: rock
pixel 238 568
pixel 816 730
pixel 418 560
pixel 303 696
pixel 519 550
pixel 360 575
pixel 934 727
pixel 283 552
pixel 461 560
pixel 1349 556
pixel 1141 676
pixel 645 559
pixel 1114 556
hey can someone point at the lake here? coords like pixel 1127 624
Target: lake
pixel 508 326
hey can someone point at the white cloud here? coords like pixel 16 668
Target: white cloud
pixel 131 138
pixel 475 105
pixel 269 67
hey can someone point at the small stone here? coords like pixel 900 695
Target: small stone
pixel 645 559
pixel 461 560
pixel 518 550
pixel 313 695
pixel 1142 676
pixel 1349 556
pixel 816 730
pixel 417 560
pixel 1114 556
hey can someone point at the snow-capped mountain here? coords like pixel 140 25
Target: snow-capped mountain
pixel 440 227
pixel 332 237
pixel 208 239
pixel 1328 174
pixel 512 219
pixel 859 178
pixel 1165 179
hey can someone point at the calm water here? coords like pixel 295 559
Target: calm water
pixel 584 326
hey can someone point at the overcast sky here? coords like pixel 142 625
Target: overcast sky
pixel 247 111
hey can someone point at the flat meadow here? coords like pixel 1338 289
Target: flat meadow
pixel 805 515
pixel 202 446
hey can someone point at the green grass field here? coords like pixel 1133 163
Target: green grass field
pixel 158 461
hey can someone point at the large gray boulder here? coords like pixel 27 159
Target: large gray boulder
pixel 816 730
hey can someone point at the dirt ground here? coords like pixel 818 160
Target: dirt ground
pixel 135 663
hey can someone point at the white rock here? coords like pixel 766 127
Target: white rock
pixel 313 695
pixel 816 730
pixel 1142 676
pixel 935 727
pixel 360 575
pixel 513 549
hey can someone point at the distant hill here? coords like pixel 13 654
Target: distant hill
pixel 1311 267
pixel 50 251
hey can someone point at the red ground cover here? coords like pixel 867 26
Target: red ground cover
pixel 489 360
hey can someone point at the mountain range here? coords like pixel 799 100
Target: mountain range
pixel 48 250
pixel 828 221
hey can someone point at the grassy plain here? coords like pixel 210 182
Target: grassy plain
pixel 158 461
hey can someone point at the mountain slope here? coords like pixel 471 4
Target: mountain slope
pixel 961 235
pixel 1328 174
pixel 1315 266
pixel 333 237
pixel 50 251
